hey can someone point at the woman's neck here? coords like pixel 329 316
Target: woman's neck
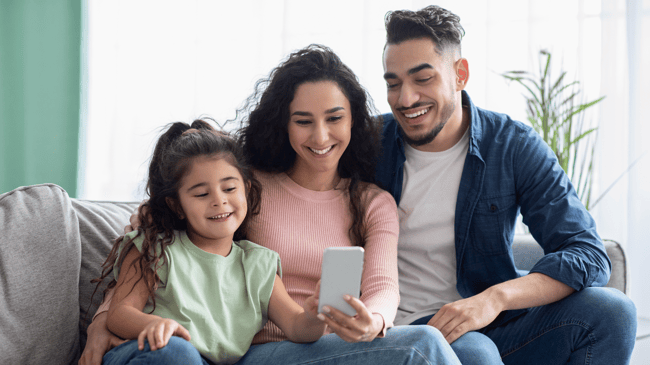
pixel 316 181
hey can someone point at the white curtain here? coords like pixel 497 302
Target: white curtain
pixel 152 62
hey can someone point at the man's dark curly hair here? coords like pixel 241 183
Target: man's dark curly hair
pixel 433 22
pixel 264 134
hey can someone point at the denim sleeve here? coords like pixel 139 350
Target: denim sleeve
pixel 557 219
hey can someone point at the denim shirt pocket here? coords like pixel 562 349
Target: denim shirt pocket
pixel 491 230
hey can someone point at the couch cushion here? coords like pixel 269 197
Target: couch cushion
pixel 100 223
pixel 616 254
pixel 40 256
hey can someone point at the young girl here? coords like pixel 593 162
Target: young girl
pixel 181 277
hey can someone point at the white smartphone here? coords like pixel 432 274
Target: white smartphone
pixel 340 275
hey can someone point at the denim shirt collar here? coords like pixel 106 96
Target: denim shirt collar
pixel 475 129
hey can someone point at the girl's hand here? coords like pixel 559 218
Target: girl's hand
pixel 158 332
pixel 363 327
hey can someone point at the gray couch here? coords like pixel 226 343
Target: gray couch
pixel 51 246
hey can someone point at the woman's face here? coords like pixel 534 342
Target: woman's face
pixel 320 125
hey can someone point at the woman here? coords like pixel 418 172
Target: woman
pixel 310 135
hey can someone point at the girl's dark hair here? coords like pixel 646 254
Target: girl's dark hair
pixel 264 134
pixel 433 22
pixel 172 156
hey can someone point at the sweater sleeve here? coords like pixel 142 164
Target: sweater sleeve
pixel 379 283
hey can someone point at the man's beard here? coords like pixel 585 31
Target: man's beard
pixel 429 137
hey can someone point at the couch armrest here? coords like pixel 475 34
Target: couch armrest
pixel 526 252
pixel 40 257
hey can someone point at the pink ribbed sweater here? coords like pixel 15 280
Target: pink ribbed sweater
pixel 299 224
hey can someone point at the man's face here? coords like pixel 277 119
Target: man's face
pixel 421 88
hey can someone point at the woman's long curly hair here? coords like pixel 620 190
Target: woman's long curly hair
pixel 173 155
pixel 264 133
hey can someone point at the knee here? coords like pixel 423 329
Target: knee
pixel 426 335
pixel 610 303
pixel 614 309
pixel 177 351
pixel 428 343
pixel 476 348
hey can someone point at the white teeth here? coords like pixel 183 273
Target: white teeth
pixel 417 114
pixel 220 216
pixel 321 152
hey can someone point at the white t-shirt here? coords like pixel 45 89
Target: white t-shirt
pixel 427 253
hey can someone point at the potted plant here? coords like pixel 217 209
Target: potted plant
pixel 556 113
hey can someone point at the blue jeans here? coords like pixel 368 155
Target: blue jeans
pixel 402 345
pixel 177 351
pixel 592 326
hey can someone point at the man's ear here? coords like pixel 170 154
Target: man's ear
pixel 174 206
pixel 462 74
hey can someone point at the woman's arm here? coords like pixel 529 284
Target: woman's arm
pixel 300 324
pixel 125 316
pixel 379 285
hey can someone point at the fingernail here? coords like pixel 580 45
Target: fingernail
pixel 321 316
pixel 326 309
pixel 346 297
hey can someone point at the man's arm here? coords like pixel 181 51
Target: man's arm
pixel 457 318
pixel 574 258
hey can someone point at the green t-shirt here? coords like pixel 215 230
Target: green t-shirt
pixel 222 301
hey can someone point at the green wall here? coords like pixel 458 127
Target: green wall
pixel 39 92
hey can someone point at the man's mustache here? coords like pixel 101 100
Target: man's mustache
pixel 416 105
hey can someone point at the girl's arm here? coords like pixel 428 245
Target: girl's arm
pixel 125 316
pixel 300 324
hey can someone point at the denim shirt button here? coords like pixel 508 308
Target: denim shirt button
pixel 493 208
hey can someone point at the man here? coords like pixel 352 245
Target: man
pixel 460 176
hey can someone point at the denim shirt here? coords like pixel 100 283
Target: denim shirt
pixel 509 169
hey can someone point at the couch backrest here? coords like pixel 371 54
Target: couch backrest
pixel 99 224
pixel 51 246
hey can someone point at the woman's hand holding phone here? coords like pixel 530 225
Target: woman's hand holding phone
pixel 344 314
pixel 362 327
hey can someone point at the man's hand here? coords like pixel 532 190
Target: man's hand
pixel 100 341
pixel 535 289
pixel 470 314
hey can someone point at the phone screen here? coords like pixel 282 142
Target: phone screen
pixel 341 274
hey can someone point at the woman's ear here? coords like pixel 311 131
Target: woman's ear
pixel 173 205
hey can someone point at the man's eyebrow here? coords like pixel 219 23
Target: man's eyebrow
pixel 390 75
pixel 419 68
pixel 414 70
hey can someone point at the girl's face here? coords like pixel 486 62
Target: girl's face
pixel 320 125
pixel 213 201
